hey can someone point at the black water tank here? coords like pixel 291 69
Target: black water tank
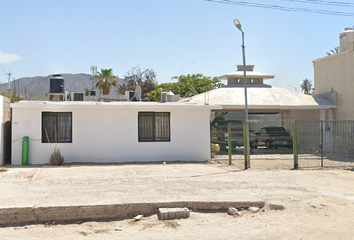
pixel 131 96
pixel 56 84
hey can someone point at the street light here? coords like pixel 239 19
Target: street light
pixel 292 87
pixel 246 130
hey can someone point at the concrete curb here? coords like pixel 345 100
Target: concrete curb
pixel 26 215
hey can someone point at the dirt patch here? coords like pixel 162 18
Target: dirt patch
pixel 318 203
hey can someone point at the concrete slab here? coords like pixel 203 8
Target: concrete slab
pixel 173 213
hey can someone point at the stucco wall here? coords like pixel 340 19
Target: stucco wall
pixel 111 135
pixel 297 115
pixel 336 74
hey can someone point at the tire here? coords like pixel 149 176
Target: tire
pixel 268 145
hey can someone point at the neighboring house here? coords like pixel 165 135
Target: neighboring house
pixel 334 75
pixel 268 105
pixel 5 130
pixel 111 131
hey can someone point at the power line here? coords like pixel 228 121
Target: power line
pixel 3 69
pixel 322 2
pixel 282 8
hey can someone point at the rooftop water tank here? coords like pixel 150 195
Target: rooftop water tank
pixel 56 84
pixel 346 40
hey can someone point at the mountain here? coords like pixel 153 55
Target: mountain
pixel 39 86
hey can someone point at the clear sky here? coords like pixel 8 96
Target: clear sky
pixel 173 37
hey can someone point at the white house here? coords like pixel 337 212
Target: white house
pixel 111 131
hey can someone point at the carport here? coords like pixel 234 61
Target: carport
pixel 268 106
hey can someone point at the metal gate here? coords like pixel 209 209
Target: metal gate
pixel 323 144
pixel 231 140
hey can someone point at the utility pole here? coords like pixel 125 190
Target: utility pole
pixel 14 87
pixel 9 74
pixel 93 68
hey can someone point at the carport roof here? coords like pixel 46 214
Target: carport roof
pixel 260 96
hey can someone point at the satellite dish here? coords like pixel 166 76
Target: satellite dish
pixel 137 94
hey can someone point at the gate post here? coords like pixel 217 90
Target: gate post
pixel 229 142
pixel 322 145
pixel 296 157
pixel 246 145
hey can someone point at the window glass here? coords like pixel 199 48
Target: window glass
pixel 154 126
pixel 56 127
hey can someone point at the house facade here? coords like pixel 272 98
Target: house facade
pixel 111 131
pixel 334 76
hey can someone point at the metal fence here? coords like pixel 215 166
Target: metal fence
pixel 261 157
pixel 323 144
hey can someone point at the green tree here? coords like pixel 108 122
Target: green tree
pixel 87 91
pixel 13 97
pixel 146 79
pixel 306 86
pixel 333 51
pixel 105 80
pixel 186 86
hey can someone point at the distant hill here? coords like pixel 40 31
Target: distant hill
pixel 39 86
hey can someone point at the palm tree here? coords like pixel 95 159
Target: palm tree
pixel 306 86
pixel 87 91
pixel 105 80
pixel 333 51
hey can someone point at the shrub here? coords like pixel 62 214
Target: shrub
pixel 56 159
pixel 215 148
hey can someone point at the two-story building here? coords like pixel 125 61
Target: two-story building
pixel 334 76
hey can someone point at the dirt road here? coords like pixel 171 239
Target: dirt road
pixel 318 203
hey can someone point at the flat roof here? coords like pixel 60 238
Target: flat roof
pixel 111 105
pixel 331 56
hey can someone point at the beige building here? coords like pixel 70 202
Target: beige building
pixel 334 76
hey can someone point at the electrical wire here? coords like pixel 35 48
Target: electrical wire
pixel 3 69
pixel 322 2
pixel 28 139
pixel 282 8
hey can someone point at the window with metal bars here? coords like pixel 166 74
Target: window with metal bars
pixel 154 127
pixel 56 127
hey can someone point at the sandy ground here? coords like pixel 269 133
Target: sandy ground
pixel 319 204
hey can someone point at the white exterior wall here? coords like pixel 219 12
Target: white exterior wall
pixel 111 135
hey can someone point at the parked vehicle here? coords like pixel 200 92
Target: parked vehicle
pixel 273 137
pixel 220 135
